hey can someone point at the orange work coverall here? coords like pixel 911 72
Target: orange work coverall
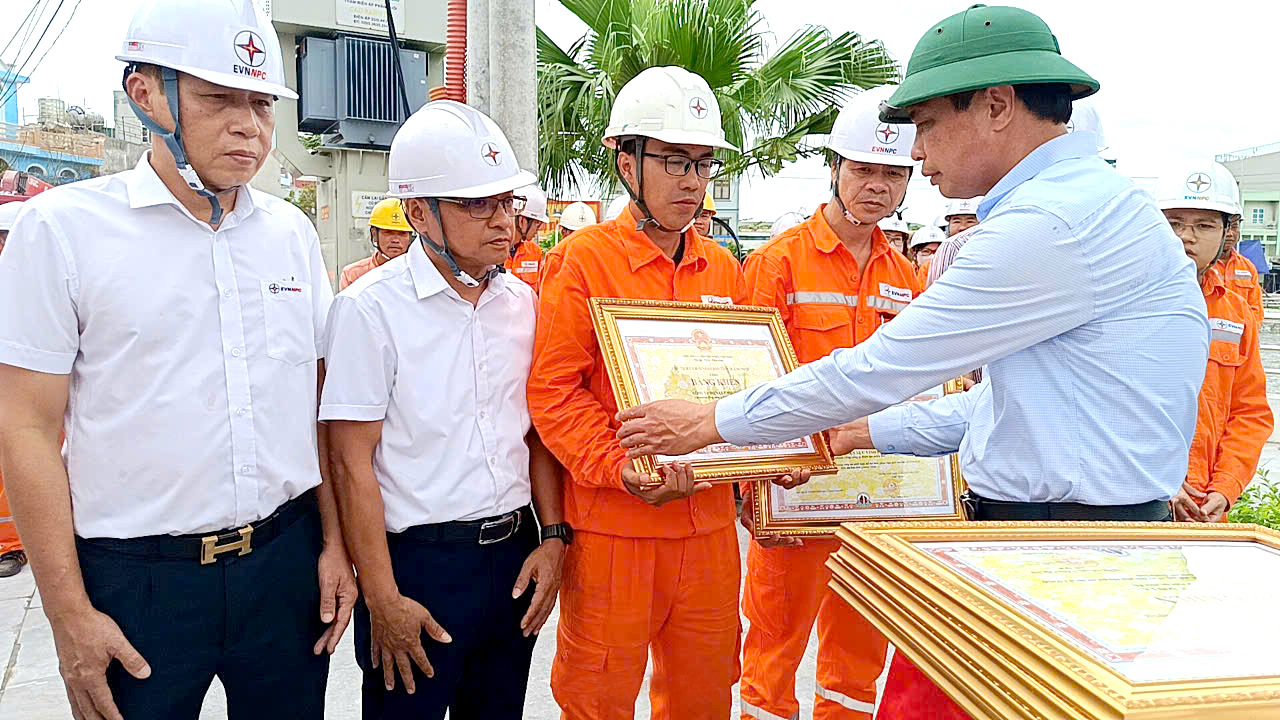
pixel 637 577
pixel 352 272
pixel 827 303
pixel 1234 420
pixel 1241 276
pixel 9 541
pixel 526 263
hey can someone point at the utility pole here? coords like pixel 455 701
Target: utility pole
pixel 502 71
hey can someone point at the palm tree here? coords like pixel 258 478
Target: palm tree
pixel 767 104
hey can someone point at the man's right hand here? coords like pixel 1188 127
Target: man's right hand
pixel 1185 507
pixel 87 641
pixel 677 483
pixel 396 642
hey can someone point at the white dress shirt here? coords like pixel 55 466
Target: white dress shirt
pixel 192 352
pixel 447 380
pixel 1079 297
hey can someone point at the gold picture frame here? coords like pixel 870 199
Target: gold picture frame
pixel 932 492
pixel 1076 620
pixel 724 348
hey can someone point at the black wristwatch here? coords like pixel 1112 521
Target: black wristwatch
pixel 559 530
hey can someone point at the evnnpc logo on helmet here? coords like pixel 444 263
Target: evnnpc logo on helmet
pixel 252 53
pixel 698 108
pixel 1199 182
pixel 490 153
pixel 886 134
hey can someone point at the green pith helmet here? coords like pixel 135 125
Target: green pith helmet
pixel 979 48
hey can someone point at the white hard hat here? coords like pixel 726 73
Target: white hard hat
pixel 9 213
pixel 616 206
pixel 669 104
pixel 535 205
pixel 926 235
pixel 577 216
pixel 940 222
pixel 785 222
pixel 968 206
pixel 1084 117
pixel 893 223
pixel 1198 183
pixel 226 42
pixel 447 149
pixel 859 135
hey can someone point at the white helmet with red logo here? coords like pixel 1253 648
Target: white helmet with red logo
pixel 859 135
pixel 226 42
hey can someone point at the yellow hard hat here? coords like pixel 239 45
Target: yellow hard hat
pixel 389 215
pixel 708 205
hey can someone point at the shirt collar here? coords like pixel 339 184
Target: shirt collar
pixel 428 280
pixel 146 189
pixel 1212 282
pixel 1063 147
pixel 641 250
pixel 827 242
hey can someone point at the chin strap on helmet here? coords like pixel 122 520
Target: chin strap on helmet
pixel 173 140
pixel 443 251
pixel 637 195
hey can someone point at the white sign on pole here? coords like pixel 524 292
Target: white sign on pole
pixel 362 203
pixel 369 14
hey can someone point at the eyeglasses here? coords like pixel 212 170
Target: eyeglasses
pixel 1200 229
pixel 678 165
pixel 484 208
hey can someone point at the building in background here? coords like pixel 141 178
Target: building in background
pixel 726 193
pixel 127 125
pixel 1257 170
pixel 9 107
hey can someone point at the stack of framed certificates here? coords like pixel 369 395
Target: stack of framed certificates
pixel 1080 621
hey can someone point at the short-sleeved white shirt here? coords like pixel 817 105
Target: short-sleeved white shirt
pixel 447 380
pixel 192 352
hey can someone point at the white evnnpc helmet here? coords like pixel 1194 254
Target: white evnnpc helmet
pixel 926 235
pixel 226 42
pixel 616 206
pixel 669 104
pixel 535 205
pixel 893 223
pixel 9 213
pixel 785 222
pixel 1085 118
pixel 967 206
pixel 859 135
pixel 577 216
pixel 447 149
pixel 941 223
pixel 1199 184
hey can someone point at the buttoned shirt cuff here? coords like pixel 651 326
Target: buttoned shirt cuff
pixel 1228 485
pixel 887 432
pixel 29 358
pixel 358 413
pixel 732 422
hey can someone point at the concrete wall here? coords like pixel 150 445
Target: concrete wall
pixel 119 155
pixel 1259 178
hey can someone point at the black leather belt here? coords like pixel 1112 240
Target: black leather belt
pixel 486 531
pixel 207 547
pixel 980 508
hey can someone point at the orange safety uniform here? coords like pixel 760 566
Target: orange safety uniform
pixel 1241 276
pixel 526 263
pixel 1234 420
pixel 9 541
pixel 637 577
pixel 827 302
pixel 922 274
pixel 352 272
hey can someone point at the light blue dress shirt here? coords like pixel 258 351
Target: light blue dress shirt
pixel 1082 302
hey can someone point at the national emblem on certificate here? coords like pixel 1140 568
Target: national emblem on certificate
pixel 657 350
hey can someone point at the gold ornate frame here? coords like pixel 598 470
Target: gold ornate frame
pixel 997 663
pixel 607 311
pixel 766 524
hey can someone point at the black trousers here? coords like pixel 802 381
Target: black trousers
pixel 249 620
pixel 483 673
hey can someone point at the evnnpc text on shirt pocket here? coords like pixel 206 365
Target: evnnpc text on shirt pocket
pixel 287 310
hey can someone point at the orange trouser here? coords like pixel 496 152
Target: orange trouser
pixel 623 597
pixel 786 589
pixel 8 530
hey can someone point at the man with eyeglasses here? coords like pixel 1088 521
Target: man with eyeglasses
pixel 650 568
pixel 1199 198
pixel 435 460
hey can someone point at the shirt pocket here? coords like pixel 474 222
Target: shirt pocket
pixel 820 330
pixel 287 315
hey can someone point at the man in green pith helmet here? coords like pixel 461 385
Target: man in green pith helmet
pixel 1071 268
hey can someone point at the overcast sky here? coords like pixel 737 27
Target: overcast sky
pixel 1178 78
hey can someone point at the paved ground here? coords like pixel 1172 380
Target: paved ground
pixel 31 690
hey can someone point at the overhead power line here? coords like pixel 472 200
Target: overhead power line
pixel 23 67
pixel 22 26
pixel 14 89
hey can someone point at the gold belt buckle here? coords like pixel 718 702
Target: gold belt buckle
pixel 210 549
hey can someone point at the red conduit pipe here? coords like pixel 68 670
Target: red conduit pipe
pixel 455 53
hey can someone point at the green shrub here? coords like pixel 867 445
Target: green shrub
pixel 1260 504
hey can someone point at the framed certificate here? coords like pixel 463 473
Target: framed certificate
pixel 866 486
pixel 688 351
pixel 1075 620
